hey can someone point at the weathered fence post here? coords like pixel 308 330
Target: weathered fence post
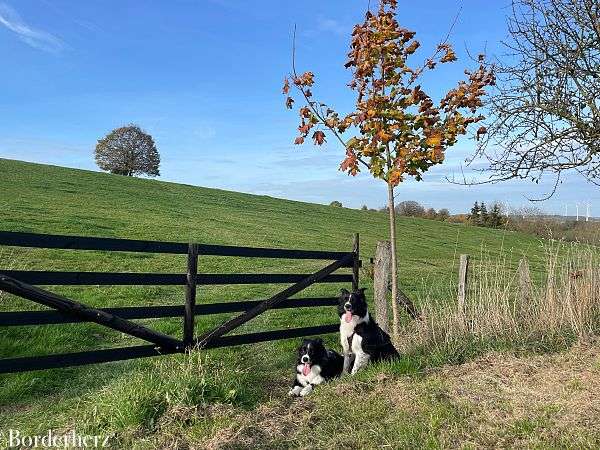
pixel 462 281
pixel 525 280
pixel 381 282
pixel 355 261
pixel 190 295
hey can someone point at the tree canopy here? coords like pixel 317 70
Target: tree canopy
pixel 128 151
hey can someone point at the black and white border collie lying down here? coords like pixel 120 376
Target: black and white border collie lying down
pixel 362 339
pixel 315 365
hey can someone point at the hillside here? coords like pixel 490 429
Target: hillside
pixel 128 398
pixel 49 199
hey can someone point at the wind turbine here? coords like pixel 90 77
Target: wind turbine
pixel 587 212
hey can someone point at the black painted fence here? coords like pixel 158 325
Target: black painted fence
pixel 25 283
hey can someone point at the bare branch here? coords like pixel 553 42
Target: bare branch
pixel 545 111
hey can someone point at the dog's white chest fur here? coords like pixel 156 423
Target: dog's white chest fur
pixel 347 330
pixel 356 344
pixel 353 347
pixel 313 377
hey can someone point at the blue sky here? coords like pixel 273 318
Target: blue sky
pixel 204 78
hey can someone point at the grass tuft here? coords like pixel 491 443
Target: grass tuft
pixel 502 312
pixel 178 390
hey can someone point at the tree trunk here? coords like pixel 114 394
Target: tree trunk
pixel 394 266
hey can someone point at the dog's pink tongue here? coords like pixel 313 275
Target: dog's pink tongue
pixel 348 317
pixel 306 369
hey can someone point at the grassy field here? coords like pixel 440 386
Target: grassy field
pixel 189 402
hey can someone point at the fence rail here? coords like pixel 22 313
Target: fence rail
pixel 53 278
pixel 17 239
pixel 23 283
pixel 25 364
pixel 22 318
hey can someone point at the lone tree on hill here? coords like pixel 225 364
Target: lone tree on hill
pixel 128 151
pixel 397 130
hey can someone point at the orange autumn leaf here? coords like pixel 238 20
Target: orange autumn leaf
pixel 412 47
pixel 434 140
pixel 319 137
pixel 350 164
pixel 449 54
pixel 395 177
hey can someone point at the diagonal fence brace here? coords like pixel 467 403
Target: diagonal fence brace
pixel 81 311
pixel 234 323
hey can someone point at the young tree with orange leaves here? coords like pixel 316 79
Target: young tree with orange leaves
pixel 398 130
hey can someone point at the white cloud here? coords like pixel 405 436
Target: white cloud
pixel 38 39
pixel 333 26
pixel 324 25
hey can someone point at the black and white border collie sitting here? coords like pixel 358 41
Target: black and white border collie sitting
pixel 362 339
pixel 315 365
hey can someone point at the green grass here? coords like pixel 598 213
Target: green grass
pixel 46 199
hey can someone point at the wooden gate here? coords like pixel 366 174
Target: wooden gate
pixel 23 283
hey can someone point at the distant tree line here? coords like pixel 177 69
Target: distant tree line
pixel 411 208
pixel 481 217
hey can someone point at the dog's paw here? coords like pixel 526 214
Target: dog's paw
pixel 307 390
pixel 295 391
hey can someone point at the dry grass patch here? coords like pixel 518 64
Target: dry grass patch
pixel 505 308
pixel 533 400
pixel 497 401
pixel 268 426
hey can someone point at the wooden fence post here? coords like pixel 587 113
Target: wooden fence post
pixel 190 296
pixel 525 280
pixel 462 281
pixel 355 262
pixel 381 281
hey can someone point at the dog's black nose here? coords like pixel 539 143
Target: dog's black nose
pixel 304 359
pixel 347 306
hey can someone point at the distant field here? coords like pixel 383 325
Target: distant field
pixel 46 199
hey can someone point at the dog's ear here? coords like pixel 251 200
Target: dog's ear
pixel 344 291
pixel 319 340
pixel 362 290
